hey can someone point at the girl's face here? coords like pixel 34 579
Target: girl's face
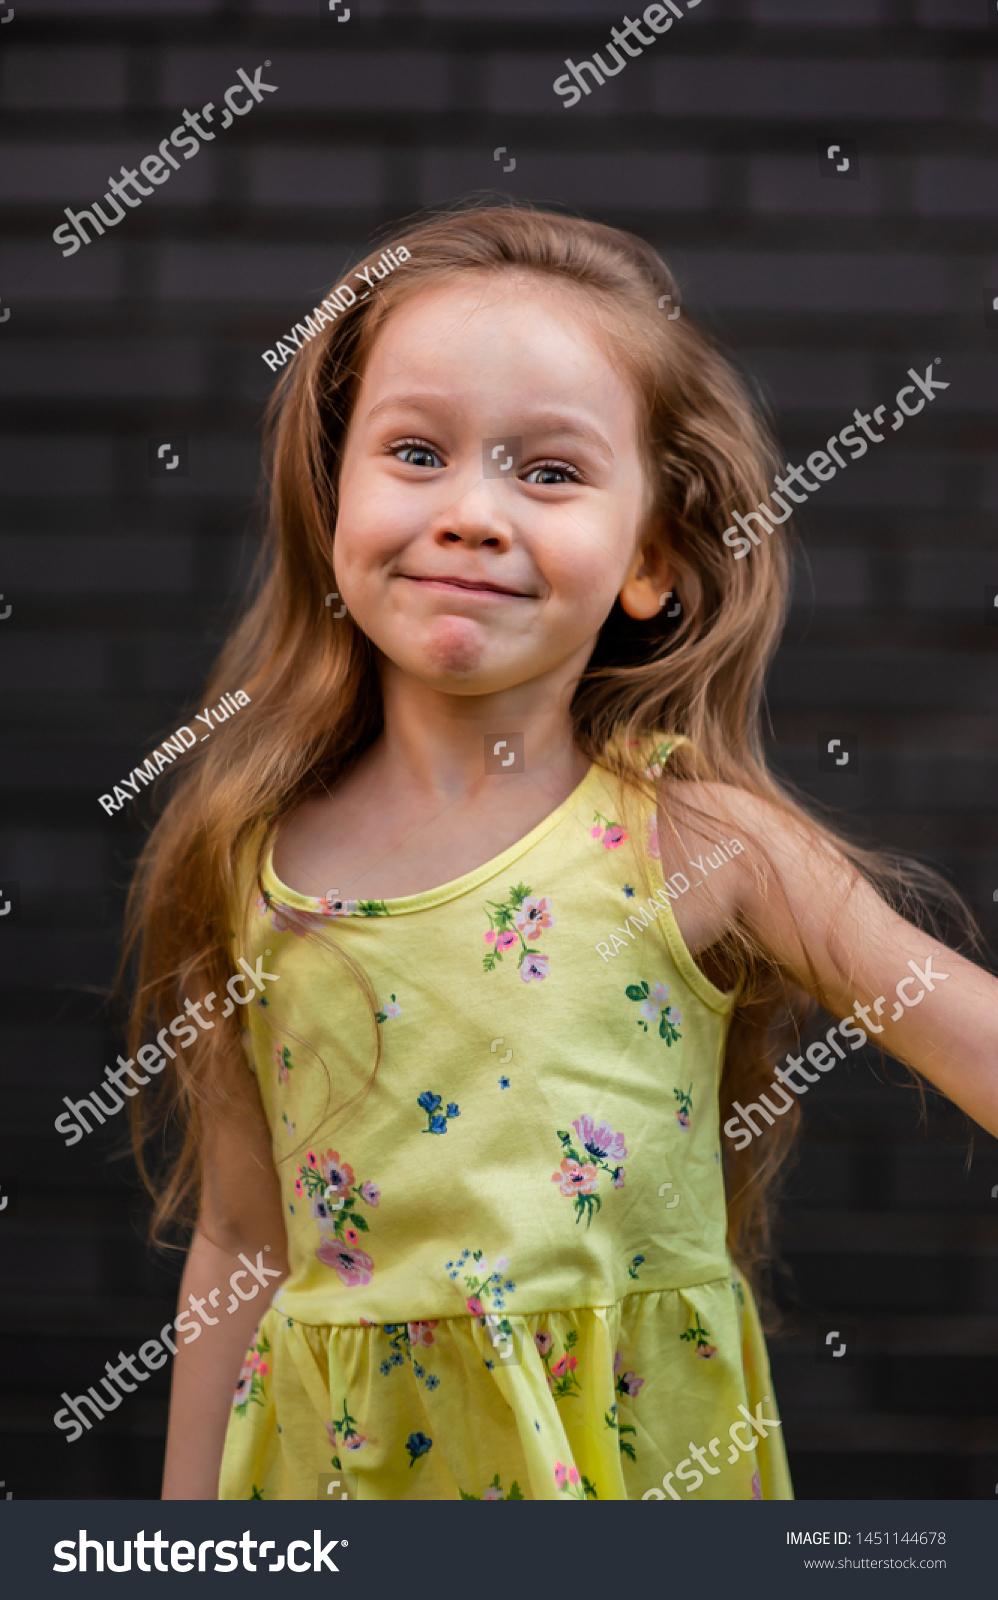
pixel 475 581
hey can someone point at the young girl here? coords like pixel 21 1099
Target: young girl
pixel 530 914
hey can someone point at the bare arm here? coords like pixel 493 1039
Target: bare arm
pixel 240 1213
pixel 925 1004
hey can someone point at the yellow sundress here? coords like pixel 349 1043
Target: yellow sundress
pixel 509 1277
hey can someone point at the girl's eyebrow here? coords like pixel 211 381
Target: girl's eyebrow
pixel 558 422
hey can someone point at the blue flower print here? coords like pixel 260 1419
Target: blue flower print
pixel 436 1119
pixel 433 1382
pixel 417 1445
pixel 628 892
pixel 504 1083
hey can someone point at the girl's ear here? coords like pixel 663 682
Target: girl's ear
pixel 649 581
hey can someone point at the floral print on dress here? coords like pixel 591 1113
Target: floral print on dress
pixel 404 1337
pixel 633 1265
pixel 353 1439
pixel 494 1491
pixel 654 1009
pixel 486 1285
pixel 625 1446
pixel 756 1485
pixel 389 1010
pixel 685 1106
pixel 561 1374
pixel 284 1063
pixel 250 1388
pixel 573 1483
pixel 328 1183
pixel 417 1445
pixel 579 1178
pixel 609 833
pixel 287 919
pixel 436 1119
pixel 657 759
pixel 521 916
pixel 702 1337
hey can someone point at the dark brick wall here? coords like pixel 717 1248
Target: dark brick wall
pixel 826 291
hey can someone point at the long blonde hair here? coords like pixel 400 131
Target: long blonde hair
pixel 315 699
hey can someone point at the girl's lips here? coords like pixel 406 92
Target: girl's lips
pixel 453 586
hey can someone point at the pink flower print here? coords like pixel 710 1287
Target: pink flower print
pixel 534 916
pixel 565 1363
pixel 421 1333
pixel 596 832
pixel 338 1175
pixel 475 1305
pixel 575 1178
pixel 262 1368
pixel 502 1263
pixel 243 1386
pixel 659 992
pixel 535 966
pixel 650 1010
pixel 573 1475
pixel 618 1178
pixel 391 1008
pixel 492 1493
pixel 490 936
pixel 353 1441
pixel 673 1015
pixel 506 940
pixel 614 837
pixel 629 1384
pixel 351 1235
pixel 543 1341
pixel 618 1358
pixel 683 1118
pixel 330 906
pixel 600 1139
pixel 311 1158
pixel 353 1267
pixel 560 1474
pixel 371 1193
pixel 756 1486
pixel 705 1351
pixel 651 839
pixel 299 1190
pixel 331 1434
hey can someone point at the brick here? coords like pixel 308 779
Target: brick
pixel 76 174
pixel 911 477
pixel 314 175
pixel 635 179
pixel 52 79
pixel 956 187
pixel 523 83
pixel 143 367
pixel 799 87
pixel 294 276
pixel 890 282
pixel 52 663
pixel 813 380
pixel 41 274
pixel 794 186
pixel 325 79
pixel 880 678
pixel 571 12
pixel 833 577
pixel 40 465
pixel 950 14
pixel 70 564
pixel 818 13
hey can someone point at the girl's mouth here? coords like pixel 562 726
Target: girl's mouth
pixel 467 586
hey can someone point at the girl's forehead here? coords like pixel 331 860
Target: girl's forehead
pixel 501 326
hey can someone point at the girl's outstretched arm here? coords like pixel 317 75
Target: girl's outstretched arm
pixel 240 1216
pixel 926 1005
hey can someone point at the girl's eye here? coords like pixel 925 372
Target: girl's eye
pixel 414 453
pixel 553 472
